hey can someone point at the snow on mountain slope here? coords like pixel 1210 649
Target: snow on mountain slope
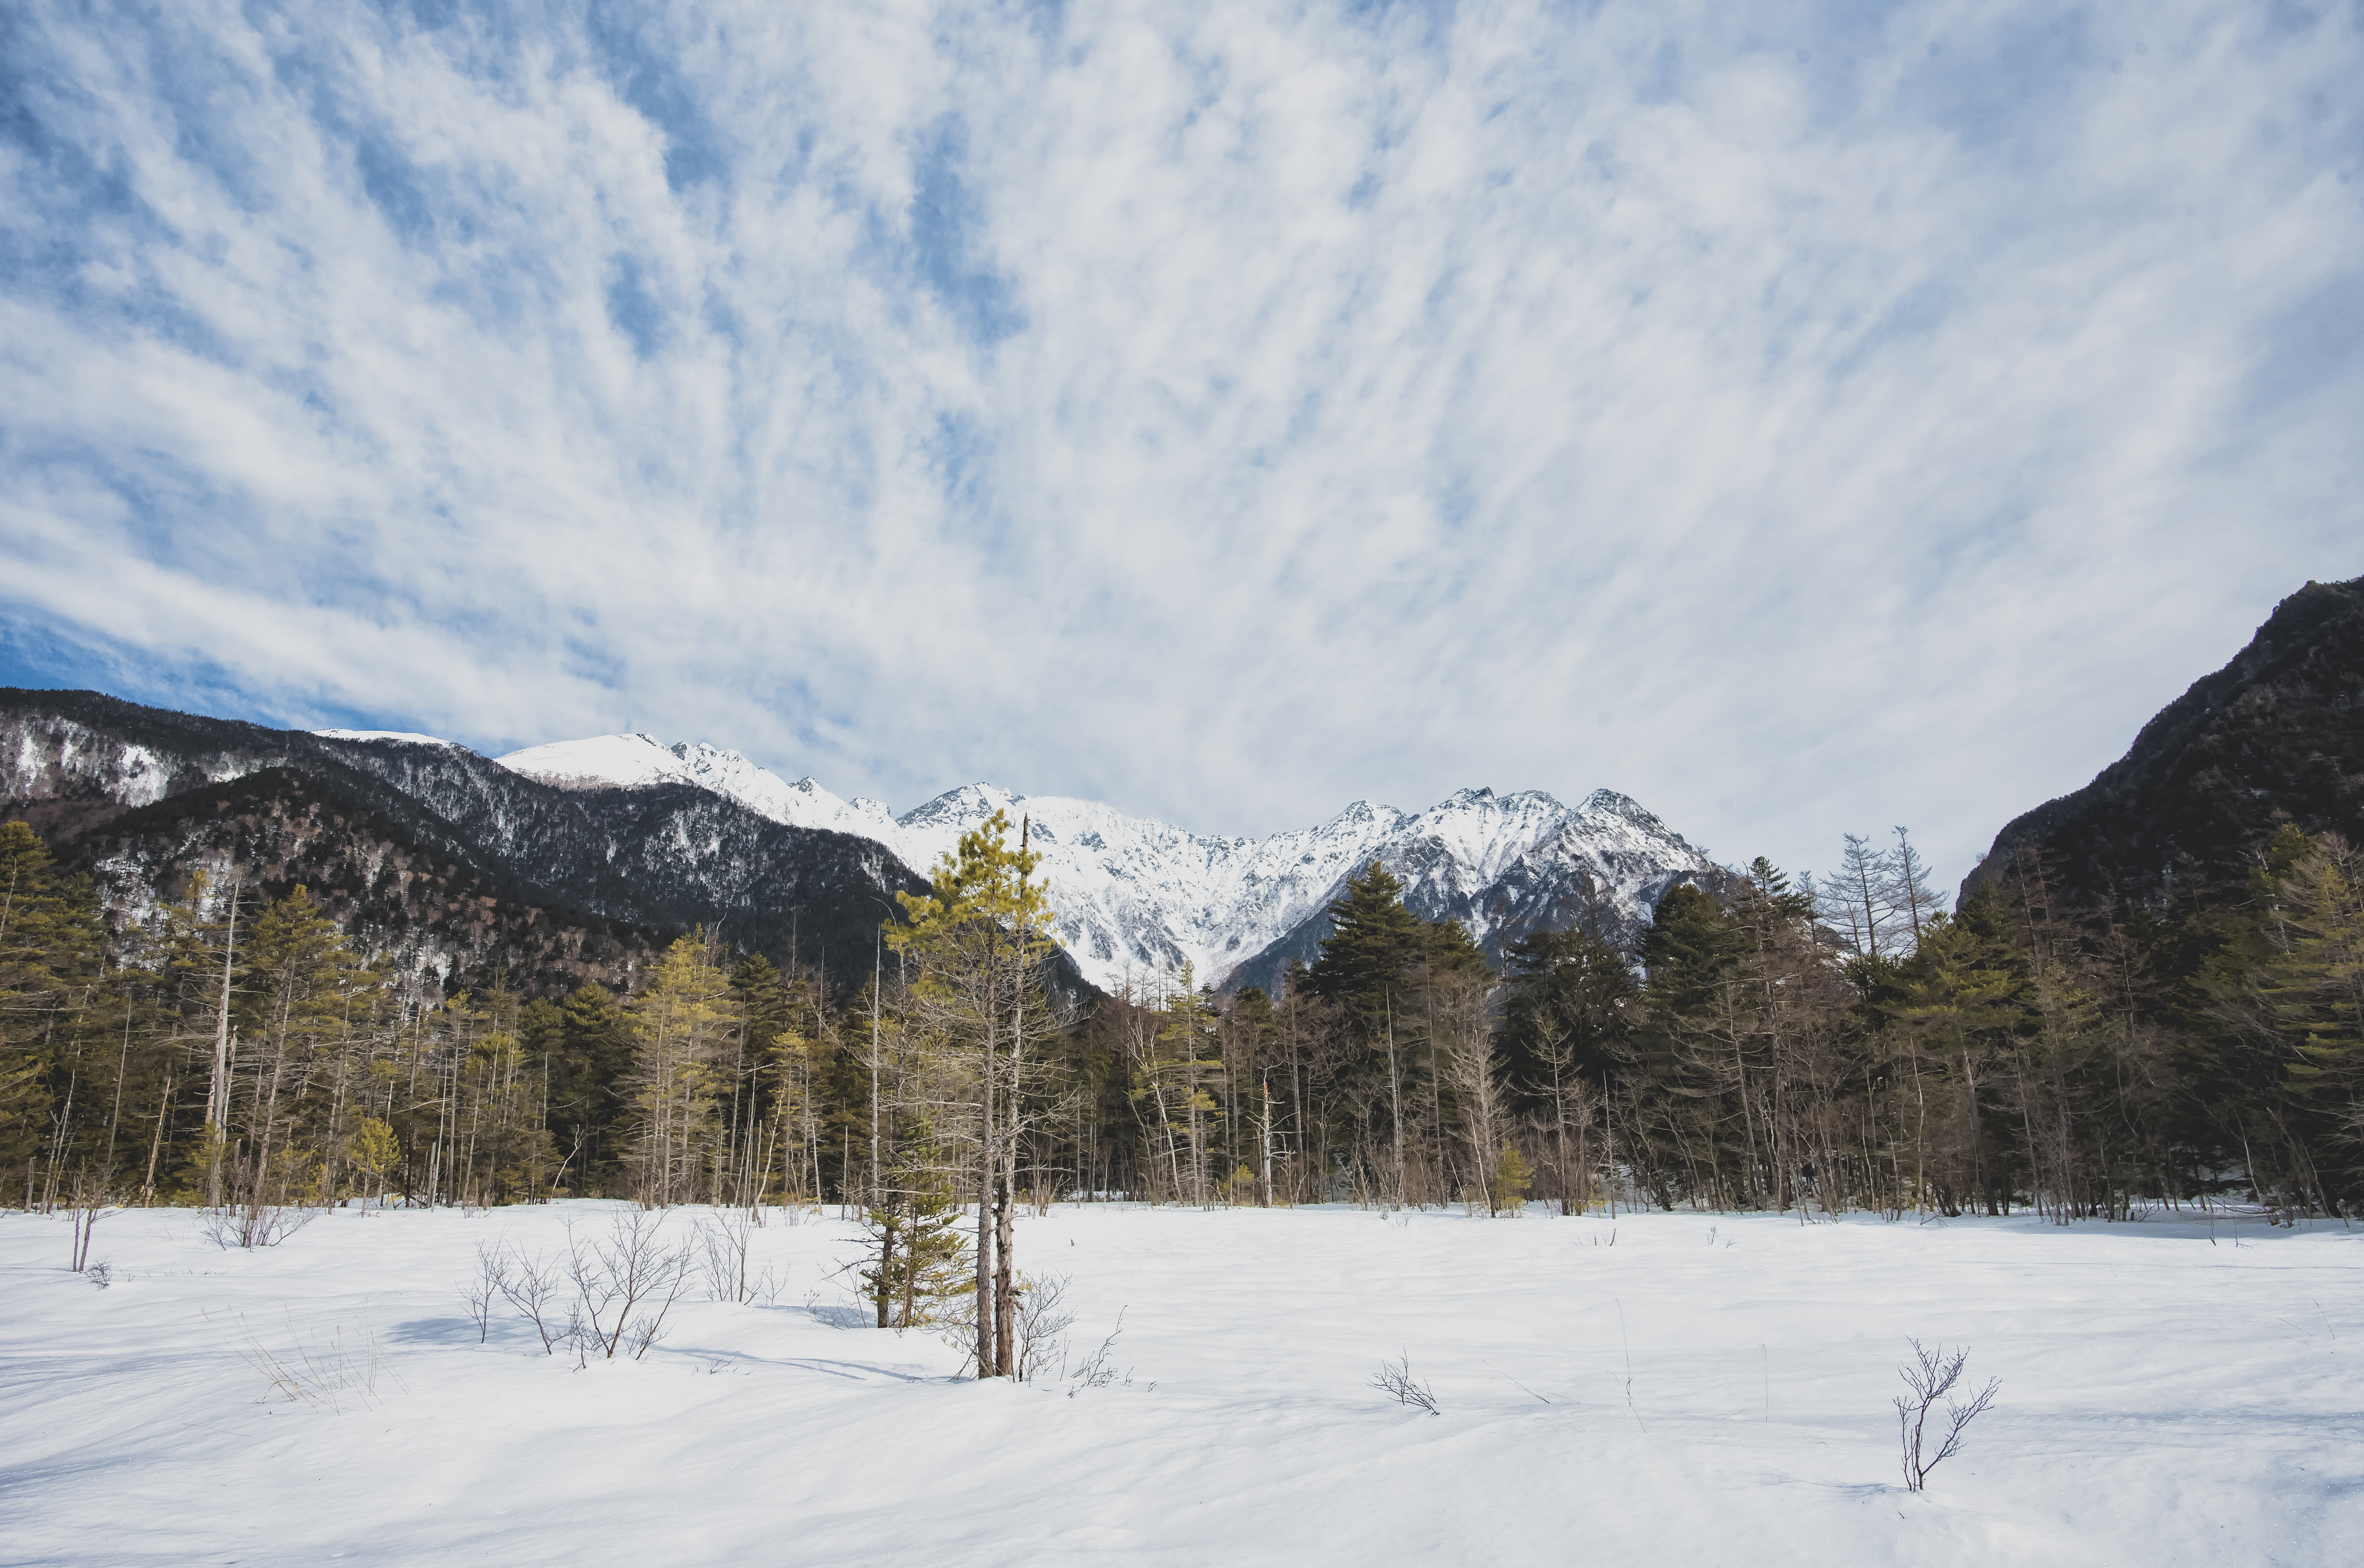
pixel 634 762
pixel 1135 899
pixel 803 804
pixel 603 761
pixel 47 754
pixel 405 736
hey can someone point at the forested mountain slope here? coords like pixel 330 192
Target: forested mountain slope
pixel 601 867
pixel 427 910
pixel 2274 736
pixel 626 830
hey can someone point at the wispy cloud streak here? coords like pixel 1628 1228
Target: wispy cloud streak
pixel 1800 419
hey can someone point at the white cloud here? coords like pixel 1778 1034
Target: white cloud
pixel 1803 425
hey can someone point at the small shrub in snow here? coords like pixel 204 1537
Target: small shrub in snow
pixel 488 1286
pixel 1395 1378
pixel 1043 1319
pixel 1512 1179
pixel 253 1224
pixel 625 1283
pixel 88 1205
pixel 1098 1372
pixel 532 1287
pixel 603 1296
pixel 99 1273
pixel 1932 1377
pixel 724 1241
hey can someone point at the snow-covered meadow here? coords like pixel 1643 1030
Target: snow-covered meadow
pixel 1646 1389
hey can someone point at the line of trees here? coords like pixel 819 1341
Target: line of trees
pixel 1827 1047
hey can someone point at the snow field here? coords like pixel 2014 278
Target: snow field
pixel 1647 1389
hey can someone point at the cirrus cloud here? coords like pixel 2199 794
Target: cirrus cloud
pixel 1799 418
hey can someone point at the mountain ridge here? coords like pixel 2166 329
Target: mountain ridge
pixel 1136 899
pixel 637 834
pixel 2276 735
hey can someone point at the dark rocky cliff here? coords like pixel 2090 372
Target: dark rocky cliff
pixel 2274 736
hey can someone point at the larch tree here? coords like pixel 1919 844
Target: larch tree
pixel 683 1022
pixel 308 1006
pixel 976 943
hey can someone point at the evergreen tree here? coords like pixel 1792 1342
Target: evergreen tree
pixel 51 946
pixel 541 1035
pixel 1689 950
pixel 766 1011
pixel 2310 991
pixel 1959 999
pixel 590 1096
pixel 1566 1030
pixel 1569 1008
pixel 1373 945
pixel 1511 1181
pixel 307 1007
pixel 1178 1079
pixel 919 1262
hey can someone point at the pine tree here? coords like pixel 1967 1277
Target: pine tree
pixel 766 1011
pixel 1566 1030
pixel 590 1091
pixel 1689 950
pixel 1958 997
pixel 1178 1079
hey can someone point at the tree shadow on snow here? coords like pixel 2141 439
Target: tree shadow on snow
pixel 831 1366
pixel 837 1317
pixel 445 1331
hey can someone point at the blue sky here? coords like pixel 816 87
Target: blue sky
pixel 1803 418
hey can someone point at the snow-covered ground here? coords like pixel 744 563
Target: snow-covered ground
pixel 1647 1389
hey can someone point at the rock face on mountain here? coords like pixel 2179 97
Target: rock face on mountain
pixel 621 866
pixel 2274 736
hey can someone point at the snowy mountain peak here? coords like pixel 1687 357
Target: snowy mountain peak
pixel 1134 898
pixel 1607 805
pixel 968 805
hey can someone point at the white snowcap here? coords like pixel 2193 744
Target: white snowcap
pixel 405 736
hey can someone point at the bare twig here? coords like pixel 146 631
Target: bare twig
pixel 1932 1375
pixel 1395 1378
